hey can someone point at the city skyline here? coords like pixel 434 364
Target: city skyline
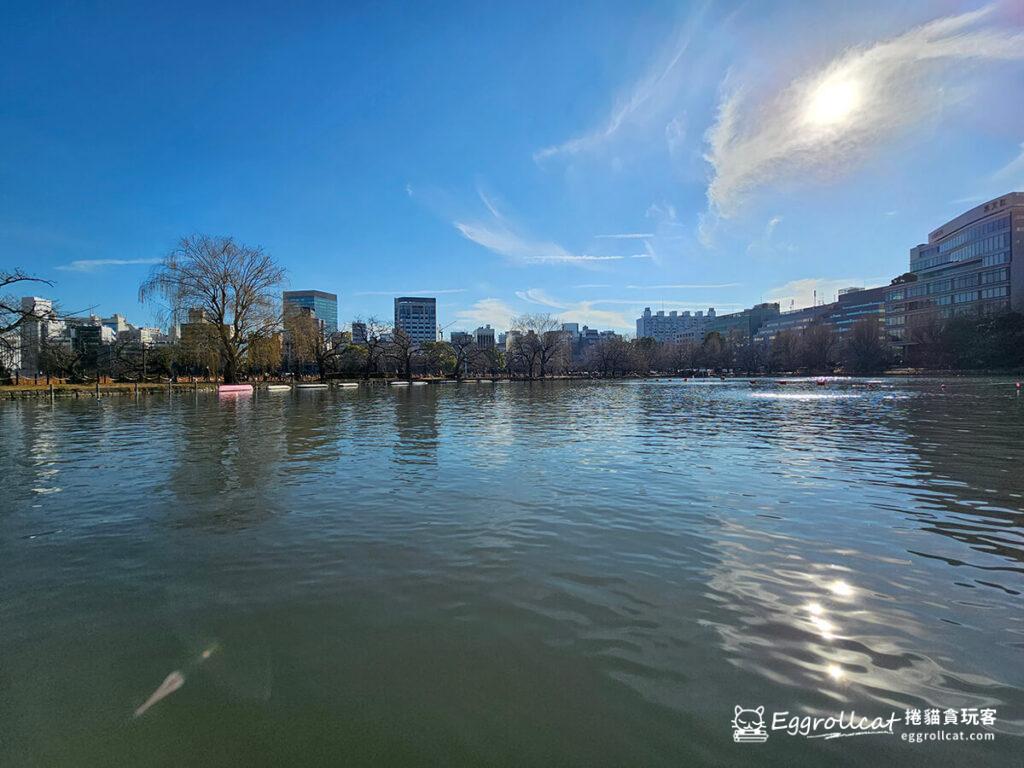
pixel 521 169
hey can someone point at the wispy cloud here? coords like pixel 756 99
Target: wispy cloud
pixel 673 303
pixel 681 286
pixel 626 236
pixel 843 111
pixel 652 94
pixel 92 265
pixel 797 294
pixel 766 244
pixel 585 286
pixel 538 296
pixel 1013 171
pixel 501 236
pixel 418 292
pixel 493 311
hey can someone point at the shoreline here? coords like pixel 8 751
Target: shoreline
pixel 91 390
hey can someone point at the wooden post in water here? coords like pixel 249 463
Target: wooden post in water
pixel 97 386
pixel 51 393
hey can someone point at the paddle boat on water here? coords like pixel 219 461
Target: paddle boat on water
pixel 399 383
pixel 279 387
pixel 349 384
pixel 234 390
pixel 311 386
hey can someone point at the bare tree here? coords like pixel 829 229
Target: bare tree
pixel 466 351
pixel 784 350
pixel 541 344
pixel 235 286
pixel 613 356
pixel 403 352
pixel 374 342
pixel 817 344
pixel 12 314
pixel 865 350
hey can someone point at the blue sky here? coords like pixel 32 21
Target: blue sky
pixel 582 159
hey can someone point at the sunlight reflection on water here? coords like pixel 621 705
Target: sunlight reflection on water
pixel 644 553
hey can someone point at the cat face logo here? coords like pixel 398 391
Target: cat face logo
pixel 748 726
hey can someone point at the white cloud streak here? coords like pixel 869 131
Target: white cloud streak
pixel 1013 171
pixel 538 296
pixel 626 236
pixel 92 265
pixel 650 95
pixel 887 85
pixel 681 286
pixel 501 236
pixel 420 292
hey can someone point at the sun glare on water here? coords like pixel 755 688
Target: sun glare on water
pixel 833 101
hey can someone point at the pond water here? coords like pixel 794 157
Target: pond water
pixel 545 573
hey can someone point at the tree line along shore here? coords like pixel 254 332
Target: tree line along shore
pixel 244 336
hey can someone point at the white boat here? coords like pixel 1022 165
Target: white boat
pixel 419 383
pixel 311 386
pixel 484 381
pixel 349 384
pixel 399 383
pixel 278 387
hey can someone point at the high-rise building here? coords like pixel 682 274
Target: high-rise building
pixel 417 316
pixel 966 267
pixel 358 333
pixel 323 305
pixel 484 337
pixel 39 326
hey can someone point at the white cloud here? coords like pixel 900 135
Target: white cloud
pixel 681 286
pixel 842 112
pixel 675 134
pixel 652 94
pixel 419 292
pixel 538 296
pixel 797 294
pixel 584 313
pixel 91 265
pixel 1013 172
pixel 766 244
pixel 626 236
pixel 493 311
pixel 501 236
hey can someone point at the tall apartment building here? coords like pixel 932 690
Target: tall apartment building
pixel 322 305
pixel 43 326
pixel 417 316
pixel 966 267
pixel 674 326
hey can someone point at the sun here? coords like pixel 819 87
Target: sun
pixel 833 101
